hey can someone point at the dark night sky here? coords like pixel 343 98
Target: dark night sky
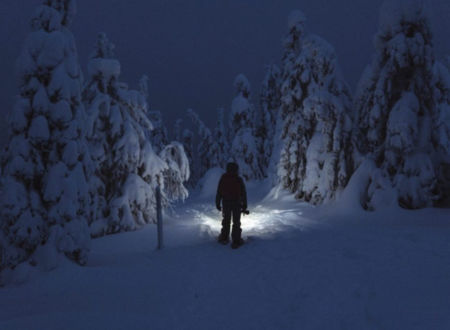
pixel 192 50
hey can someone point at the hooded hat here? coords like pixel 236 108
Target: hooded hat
pixel 232 168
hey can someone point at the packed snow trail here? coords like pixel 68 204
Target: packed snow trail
pixel 307 268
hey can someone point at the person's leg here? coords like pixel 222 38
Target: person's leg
pixel 226 222
pixel 236 232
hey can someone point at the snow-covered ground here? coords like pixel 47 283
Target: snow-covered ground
pixel 304 268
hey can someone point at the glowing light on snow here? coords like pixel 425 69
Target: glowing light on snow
pixel 261 221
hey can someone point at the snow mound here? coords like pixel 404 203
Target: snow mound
pixel 352 198
pixel 208 183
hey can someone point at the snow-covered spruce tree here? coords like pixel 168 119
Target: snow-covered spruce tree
pixel 187 140
pixel 243 145
pixel 292 45
pixel 441 127
pixel 208 152
pixel 46 165
pixel 270 98
pixel 395 109
pixel 177 171
pixel 446 62
pixel 126 164
pixel 178 134
pixel 158 134
pixel 103 72
pixel 316 112
pixel 220 138
pixel 143 87
pixel 441 131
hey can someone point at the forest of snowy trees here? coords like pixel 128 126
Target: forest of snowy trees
pixel 308 134
pixel 85 156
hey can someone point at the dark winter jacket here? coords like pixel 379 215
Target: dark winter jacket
pixel 231 188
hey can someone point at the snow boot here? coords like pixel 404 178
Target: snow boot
pixel 223 240
pixel 237 244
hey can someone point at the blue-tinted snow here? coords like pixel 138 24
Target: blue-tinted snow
pixel 304 268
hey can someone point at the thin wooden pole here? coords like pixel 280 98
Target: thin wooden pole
pixel 159 219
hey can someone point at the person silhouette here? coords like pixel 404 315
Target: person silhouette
pixel 231 193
